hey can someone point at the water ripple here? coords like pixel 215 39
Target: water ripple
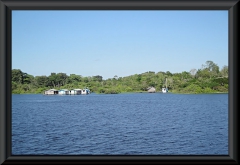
pixel 124 124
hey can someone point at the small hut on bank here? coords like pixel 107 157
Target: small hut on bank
pixel 151 90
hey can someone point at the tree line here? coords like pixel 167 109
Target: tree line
pixel 208 79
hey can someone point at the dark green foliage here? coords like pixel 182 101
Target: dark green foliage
pixel 97 78
pixel 17 76
pixel 208 79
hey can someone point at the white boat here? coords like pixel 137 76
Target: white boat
pixel 165 90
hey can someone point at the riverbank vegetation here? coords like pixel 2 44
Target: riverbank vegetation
pixel 209 79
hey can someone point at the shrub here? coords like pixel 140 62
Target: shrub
pixel 208 90
pixel 193 88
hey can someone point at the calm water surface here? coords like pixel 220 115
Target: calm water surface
pixel 121 124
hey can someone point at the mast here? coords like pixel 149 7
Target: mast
pixel 166 82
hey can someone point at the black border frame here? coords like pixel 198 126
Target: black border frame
pixel 6 7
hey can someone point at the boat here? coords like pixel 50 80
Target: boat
pixel 165 89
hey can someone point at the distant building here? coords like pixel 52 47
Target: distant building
pixel 85 91
pixel 51 92
pixel 151 90
pixel 63 92
pixel 75 91
pixel 67 92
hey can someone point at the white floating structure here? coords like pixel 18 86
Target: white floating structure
pixel 85 91
pixel 63 92
pixel 75 91
pixel 51 92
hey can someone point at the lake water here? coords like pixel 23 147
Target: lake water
pixel 120 124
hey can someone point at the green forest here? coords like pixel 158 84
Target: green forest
pixel 208 79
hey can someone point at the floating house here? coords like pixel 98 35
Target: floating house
pixel 51 92
pixel 75 91
pixel 151 90
pixel 85 91
pixel 67 92
pixel 63 92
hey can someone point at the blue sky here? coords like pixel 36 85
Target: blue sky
pixel 121 43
